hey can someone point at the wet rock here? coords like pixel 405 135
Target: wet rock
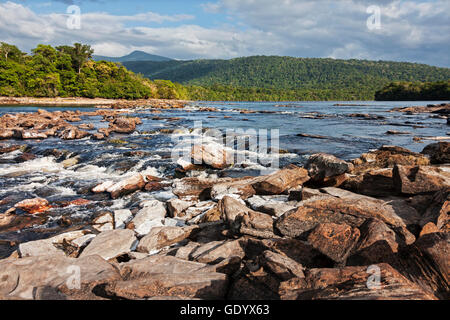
pixel 124 125
pixel 10 222
pixel 30 135
pixel 281 181
pixel 375 183
pixel 388 157
pixel 151 215
pixel 160 237
pixel 193 188
pixel 73 134
pixel 24 157
pixel 111 244
pixel 213 155
pixel 208 285
pixel 24 278
pixel 127 186
pixel 351 283
pixel 321 167
pixel 243 220
pixel 417 180
pixel 154 186
pixel 33 206
pixel 70 162
pixel 439 153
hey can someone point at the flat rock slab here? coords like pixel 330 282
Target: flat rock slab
pixel 111 244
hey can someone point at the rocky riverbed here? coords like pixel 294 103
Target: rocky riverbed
pixel 86 212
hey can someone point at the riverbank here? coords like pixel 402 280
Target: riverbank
pixel 96 102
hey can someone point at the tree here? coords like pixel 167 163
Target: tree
pixel 9 51
pixel 81 54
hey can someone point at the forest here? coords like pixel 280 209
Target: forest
pixel 69 71
pixel 411 91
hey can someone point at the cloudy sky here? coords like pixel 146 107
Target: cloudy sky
pixel 409 30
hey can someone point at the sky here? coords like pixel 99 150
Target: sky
pixel 398 30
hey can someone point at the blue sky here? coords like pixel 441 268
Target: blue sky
pixel 409 30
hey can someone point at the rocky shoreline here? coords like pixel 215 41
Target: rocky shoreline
pixel 375 227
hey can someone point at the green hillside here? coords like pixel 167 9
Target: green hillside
pixel 295 77
pixel 410 91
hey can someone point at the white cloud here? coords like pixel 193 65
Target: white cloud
pixel 410 30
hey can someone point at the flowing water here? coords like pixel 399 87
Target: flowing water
pixel 333 130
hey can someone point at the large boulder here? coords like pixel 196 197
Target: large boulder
pixel 111 244
pixel 417 180
pixel 439 153
pixel 325 168
pixel 213 155
pixel 375 183
pixel 151 215
pixel 33 206
pixel 281 181
pixel 244 220
pixel 124 125
pixel 127 186
pixel 61 277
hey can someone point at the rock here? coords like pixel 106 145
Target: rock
pixel 352 283
pixel 23 278
pixel 33 206
pixel 176 207
pixel 388 157
pixel 121 218
pixel 439 153
pixel 438 211
pixel 70 162
pixel 416 180
pixel 29 135
pixel 430 227
pixel 103 221
pixel 240 188
pixel 60 245
pixel 123 125
pixel 336 241
pixel 375 183
pixel 160 237
pixel 6 134
pixel 270 205
pixel 321 167
pixel 214 252
pixel 150 216
pixel 281 181
pixel 127 186
pixel 213 155
pixel 376 242
pixel 193 188
pixel 102 187
pixel 347 210
pixel 244 220
pixel 207 285
pixel 138 269
pixel 111 244
pixel 73 134
pixel 283 267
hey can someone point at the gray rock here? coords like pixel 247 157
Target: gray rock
pixel 111 244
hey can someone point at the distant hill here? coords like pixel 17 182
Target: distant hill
pixel 134 56
pixel 330 76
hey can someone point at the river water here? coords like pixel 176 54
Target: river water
pixel 340 134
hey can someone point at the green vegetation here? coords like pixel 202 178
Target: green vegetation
pixel 68 71
pixel 286 78
pixel 410 91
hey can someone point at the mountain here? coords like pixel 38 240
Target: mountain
pixel 361 77
pixel 134 56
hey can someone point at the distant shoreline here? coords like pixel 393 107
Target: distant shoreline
pixel 94 102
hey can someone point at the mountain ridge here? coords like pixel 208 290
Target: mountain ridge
pixel 133 56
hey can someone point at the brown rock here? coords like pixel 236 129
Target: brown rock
pixel 334 240
pixel 281 181
pixel 160 237
pixel 351 283
pixel 438 211
pixel 127 186
pixel 322 167
pixel 209 285
pixel 212 155
pixel 33 206
pixel 283 267
pixel 417 180
pixel 439 153
pixel 123 125
pixel 375 183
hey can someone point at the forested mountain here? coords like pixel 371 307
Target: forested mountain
pixel 295 77
pixel 134 56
